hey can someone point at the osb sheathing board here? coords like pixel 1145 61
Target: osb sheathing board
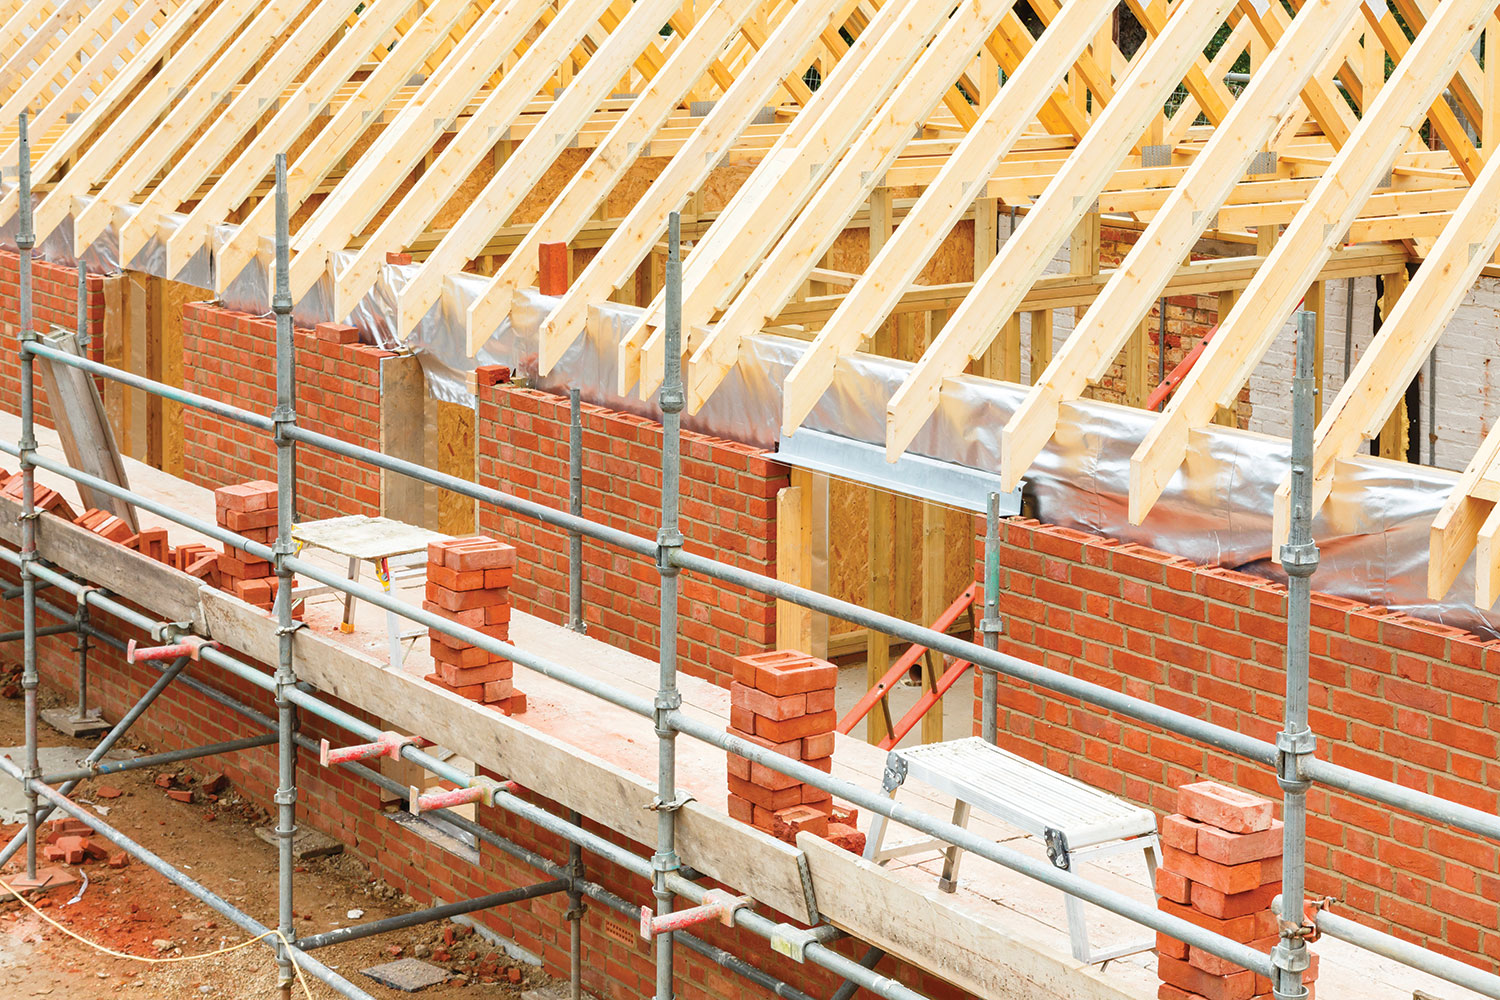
pixel 455 456
pixel 848 503
pixel 164 302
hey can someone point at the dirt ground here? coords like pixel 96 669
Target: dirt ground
pixel 138 912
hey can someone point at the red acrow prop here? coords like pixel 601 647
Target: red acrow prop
pixel 187 647
pixel 389 745
pixel 717 905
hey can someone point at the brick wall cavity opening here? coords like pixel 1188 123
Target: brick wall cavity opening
pixel 617 963
pixel 54 303
pixel 1402 699
pixel 230 356
pixel 728 512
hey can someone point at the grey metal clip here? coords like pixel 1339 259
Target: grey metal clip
pixel 657 805
pixel 895 772
pixel 1057 849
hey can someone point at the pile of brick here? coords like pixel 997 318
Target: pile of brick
pixel 42 498
pixel 194 559
pixel 783 701
pixel 468 581
pixel 249 509
pixel 69 841
pixel 1221 867
pixel 105 525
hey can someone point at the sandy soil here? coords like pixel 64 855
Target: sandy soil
pixel 135 911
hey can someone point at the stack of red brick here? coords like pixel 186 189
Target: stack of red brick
pixel 42 498
pixel 1221 867
pixel 468 581
pixel 249 509
pixel 783 701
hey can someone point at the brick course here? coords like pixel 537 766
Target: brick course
pixel 226 356
pixel 728 511
pixel 1403 699
pixel 55 303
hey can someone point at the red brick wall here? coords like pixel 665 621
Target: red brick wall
pixel 1398 698
pixel 230 356
pixel 346 807
pixel 728 511
pixel 54 303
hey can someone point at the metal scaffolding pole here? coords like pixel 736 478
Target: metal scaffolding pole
pixel 1241 744
pixel 81 715
pixel 989 625
pixel 403 920
pixel 106 744
pixel 159 759
pixel 575 507
pixel 1292 755
pixel 195 889
pixel 284 416
pixel 25 242
pixel 1295 744
pixel 575 913
pixel 668 540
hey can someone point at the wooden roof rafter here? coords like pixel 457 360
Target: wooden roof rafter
pixel 522 169
pixel 1052 219
pixel 787 177
pixel 333 142
pixel 418 127
pixel 133 171
pixel 1246 333
pixel 1188 212
pixel 376 21
pixel 645 222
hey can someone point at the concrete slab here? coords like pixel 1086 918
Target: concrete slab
pixel 306 842
pixel 12 799
pixel 66 721
pixel 407 975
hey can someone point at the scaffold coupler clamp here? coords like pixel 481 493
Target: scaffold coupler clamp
pixel 668 542
pixel 286 797
pixel 85 595
pixel 1289 959
pixel 1293 750
pixel 664 704
pixel 1300 558
pixel 991 626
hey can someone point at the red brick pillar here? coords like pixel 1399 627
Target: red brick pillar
pixel 249 509
pixel 783 700
pixel 468 581
pixel 1221 867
